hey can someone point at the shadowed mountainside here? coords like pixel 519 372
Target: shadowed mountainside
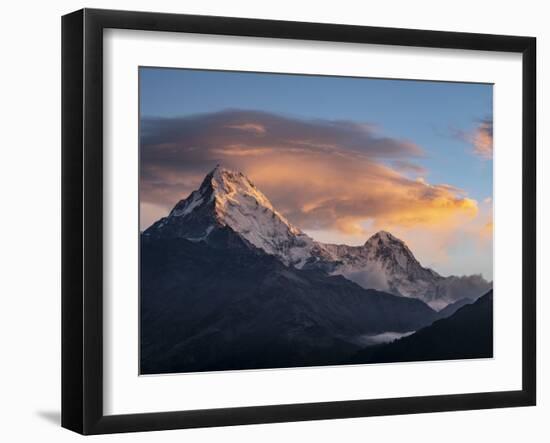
pixel 227 305
pixel 468 333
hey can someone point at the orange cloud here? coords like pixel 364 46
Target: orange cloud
pixel 322 175
pixel 325 191
pixel 483 139
pixel 408 167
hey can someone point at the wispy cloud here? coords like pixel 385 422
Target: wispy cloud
pixel 409 167
pixel 483 139
pixel 249 127
pixel 480 139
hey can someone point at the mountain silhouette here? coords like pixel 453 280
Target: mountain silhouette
pixel 222 305
pixel 468 333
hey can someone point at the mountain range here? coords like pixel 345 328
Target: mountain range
pixel 229 199
pixel 227 282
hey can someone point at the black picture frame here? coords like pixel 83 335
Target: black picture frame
pixel 82 218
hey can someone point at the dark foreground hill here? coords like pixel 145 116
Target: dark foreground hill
pixel 224 304
pixel 468 333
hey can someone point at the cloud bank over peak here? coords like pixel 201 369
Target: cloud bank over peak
pixel 321 174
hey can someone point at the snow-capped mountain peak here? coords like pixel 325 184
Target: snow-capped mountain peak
pixel 233 191
pixel 229 198
pixel 383 246
pixel 383 237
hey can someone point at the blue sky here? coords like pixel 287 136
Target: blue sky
pixel 428 113
pixel 441 118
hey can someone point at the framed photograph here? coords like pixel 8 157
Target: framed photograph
pixel 269 221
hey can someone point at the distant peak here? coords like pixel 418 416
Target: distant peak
pixel 384 237
pixel 383 234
